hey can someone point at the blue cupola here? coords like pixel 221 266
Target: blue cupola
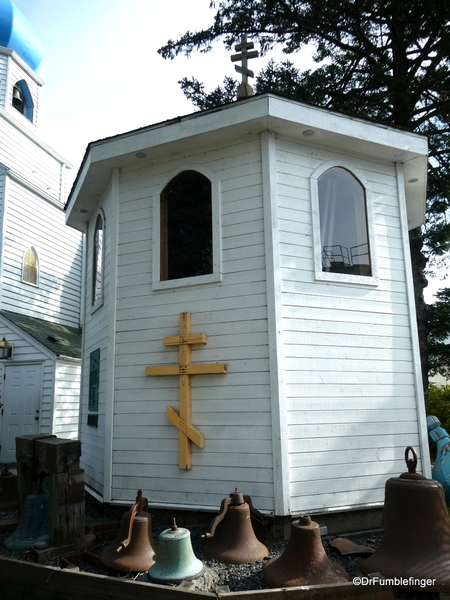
pixel 17 33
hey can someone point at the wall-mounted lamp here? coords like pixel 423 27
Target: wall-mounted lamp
pixel 5 350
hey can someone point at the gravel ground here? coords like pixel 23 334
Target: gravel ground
pixel 248 576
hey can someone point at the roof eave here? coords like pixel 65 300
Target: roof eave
pixel 283 116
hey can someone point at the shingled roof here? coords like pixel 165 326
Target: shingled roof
pixel 59 339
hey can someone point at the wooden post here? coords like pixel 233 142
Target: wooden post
pixel 61 457
pixel 185 369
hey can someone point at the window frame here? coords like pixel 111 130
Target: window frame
pixel 36 256
pixel 320 275
pixel 216 275
pixel 97 302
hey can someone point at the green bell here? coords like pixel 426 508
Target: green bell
pixel 175 560
pixel 34 526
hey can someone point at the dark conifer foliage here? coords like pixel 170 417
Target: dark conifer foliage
pixel 383 59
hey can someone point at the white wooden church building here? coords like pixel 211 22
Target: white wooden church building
pixel 40 257
pixel 279 232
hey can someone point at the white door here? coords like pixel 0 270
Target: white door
pixel 22 393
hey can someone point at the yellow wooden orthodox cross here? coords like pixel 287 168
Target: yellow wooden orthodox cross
pixel 185 370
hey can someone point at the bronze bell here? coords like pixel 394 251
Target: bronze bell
pixel 232 539
pixel 416 539
pixel 304 562
pixel 134 548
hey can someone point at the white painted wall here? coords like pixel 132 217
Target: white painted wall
pixel 97 334
pixel 32 221
pixel 349 363
pixel 66 398
pixel 3 79
pixel 25 158
pixel 232 314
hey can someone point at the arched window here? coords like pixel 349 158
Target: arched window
pixel 21 99
pixel 97 260
pixel 343 223
pixel 186 227
pixel 30 266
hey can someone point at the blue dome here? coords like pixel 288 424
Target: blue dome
pixel 17 33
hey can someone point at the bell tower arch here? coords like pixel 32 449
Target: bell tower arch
pixel 20 57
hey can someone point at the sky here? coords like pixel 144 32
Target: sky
pixel 102 72
pixel 103 76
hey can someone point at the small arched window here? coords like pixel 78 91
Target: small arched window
pixel 30 266
pixel 186 227
pixel 97 260
pixel 22 100
pixel 343 223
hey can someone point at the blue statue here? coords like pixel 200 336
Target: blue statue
pixel 441 469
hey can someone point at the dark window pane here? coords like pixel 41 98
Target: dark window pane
pixel 186 227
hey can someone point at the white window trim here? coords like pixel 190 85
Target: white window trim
pixel 98 303
pixel 37 267
pixel 320 275
pixel 216 275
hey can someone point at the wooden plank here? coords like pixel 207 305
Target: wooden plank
pixel 191 369
pixel 185 416
pixel 191 338
pixel 39 581
pixel 355 499
pixel 338 591
pixel 163 370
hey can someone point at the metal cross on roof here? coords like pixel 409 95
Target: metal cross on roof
pixel 244 90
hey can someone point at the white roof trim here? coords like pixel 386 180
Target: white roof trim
pixel 265 112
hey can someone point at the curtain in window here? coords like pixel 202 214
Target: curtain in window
pixel 343 223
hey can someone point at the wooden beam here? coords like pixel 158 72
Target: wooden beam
pixel 186 369
pixel 191 338
pixel 38 581
pixel 192 433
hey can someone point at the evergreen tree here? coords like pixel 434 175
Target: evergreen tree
pixel 383 59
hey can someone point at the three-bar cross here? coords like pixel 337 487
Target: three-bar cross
pixel 185 370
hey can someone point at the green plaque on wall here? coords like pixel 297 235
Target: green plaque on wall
pixel 94 378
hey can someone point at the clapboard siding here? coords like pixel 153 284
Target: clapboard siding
pixel 348 358
pixel 33 222
pixel 67 399
pixel 26 158
pixel 3 177
pixel 232 313
pixel 3 79
pixel 96 336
